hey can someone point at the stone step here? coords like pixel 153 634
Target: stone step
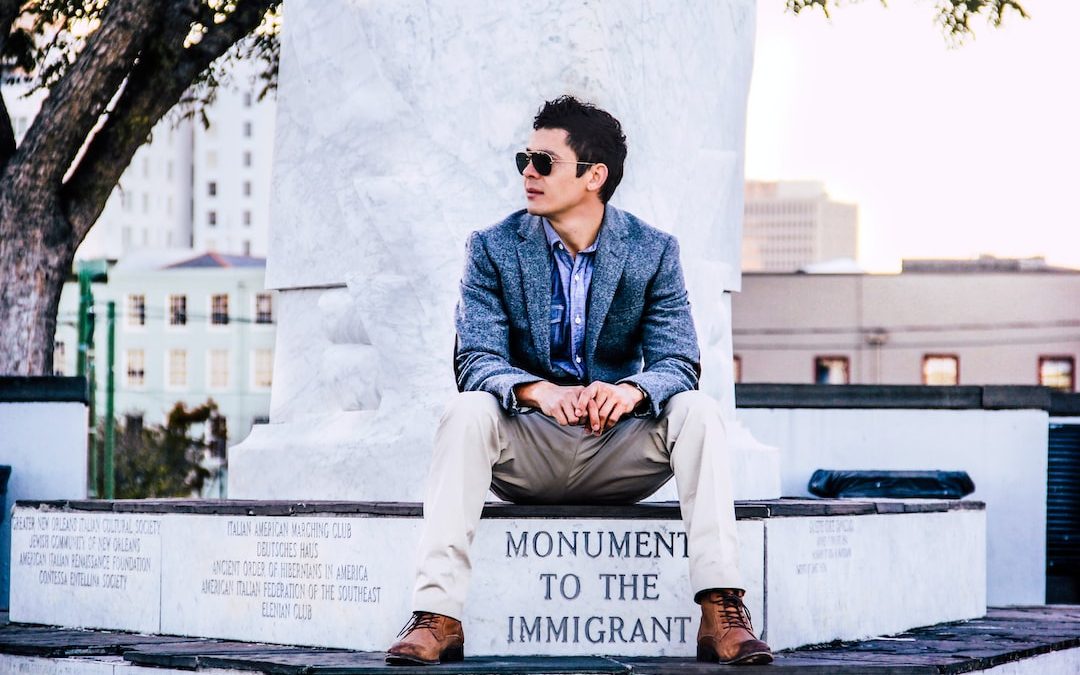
pixel 562 580
pixel 1008 641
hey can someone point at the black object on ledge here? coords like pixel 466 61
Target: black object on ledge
pixel 893 484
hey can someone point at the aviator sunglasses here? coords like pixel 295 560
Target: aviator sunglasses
pixel 542 162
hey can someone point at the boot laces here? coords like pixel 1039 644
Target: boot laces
pixel 733 612
pixel 419 620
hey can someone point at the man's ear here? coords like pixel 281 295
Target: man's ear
pixel 597 177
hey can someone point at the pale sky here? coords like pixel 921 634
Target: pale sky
pixel 949 152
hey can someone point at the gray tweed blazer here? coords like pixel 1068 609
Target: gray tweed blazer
pixel 638 323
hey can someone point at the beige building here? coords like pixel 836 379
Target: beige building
pixel 791 224
pixel 988 321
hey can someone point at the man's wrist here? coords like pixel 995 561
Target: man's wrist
pixel 525 394
pixel 644 395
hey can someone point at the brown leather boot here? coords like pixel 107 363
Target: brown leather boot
pixel 725 635
pixel 428 639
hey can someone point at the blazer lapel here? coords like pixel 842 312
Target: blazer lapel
pixel 607 270
pixel 535 262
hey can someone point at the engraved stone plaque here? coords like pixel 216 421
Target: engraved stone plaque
pixel 566 587
pixel 325 581
pixel 101 569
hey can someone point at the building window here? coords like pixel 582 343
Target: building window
pixel 247 218
pixel 219 309
pixel 136 310
pixel 58 360
pixel 247 99
pixel 247 158
pixel 211 218
pixel 145 203
pixel 264 308
pixel 831 370
pixel 247 188
pixel 247 129
pixel 211 188
pixel 178 368
pixel 264 368
pixel 219 368
pixel 736 362
pixel 247 247
pixel 177 310
pixel 941 369
pixel 1058 372
pixel 136 368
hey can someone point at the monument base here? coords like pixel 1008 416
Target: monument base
pixel 553 580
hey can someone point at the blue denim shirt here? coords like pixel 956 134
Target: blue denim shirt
pixel 570 281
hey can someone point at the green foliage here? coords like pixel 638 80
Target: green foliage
pixel 47 37
pixel 954 16
pixel 165 461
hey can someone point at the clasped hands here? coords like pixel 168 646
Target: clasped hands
pixel 597 407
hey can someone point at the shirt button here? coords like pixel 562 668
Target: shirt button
pixel 577 277
pixel 578 359
pixel 559 245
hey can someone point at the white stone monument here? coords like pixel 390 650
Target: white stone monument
pixel 397 125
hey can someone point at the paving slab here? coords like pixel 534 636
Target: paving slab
pixel 1006 635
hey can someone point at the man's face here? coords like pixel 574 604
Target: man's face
pixel 561 191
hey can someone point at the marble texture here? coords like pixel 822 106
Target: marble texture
pixel 85 569
pixel 396 128
pixel 993 446
pixel 851 578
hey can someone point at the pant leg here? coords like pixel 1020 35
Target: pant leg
pixel 701 462
pixel 477 447
pixel 468 442
pixel 637 456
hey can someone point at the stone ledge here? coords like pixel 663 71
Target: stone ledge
pixel 1005 635
pixel 989 397
pixel 43 390
pixel 769 508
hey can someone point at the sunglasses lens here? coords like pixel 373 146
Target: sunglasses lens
pixel 542 163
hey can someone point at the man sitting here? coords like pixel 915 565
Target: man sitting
pixel 578 369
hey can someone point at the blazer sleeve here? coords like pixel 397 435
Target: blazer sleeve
pixel 482 357
pixel 672 360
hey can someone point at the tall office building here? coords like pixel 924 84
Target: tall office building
pixel 789 225
pixel 231 169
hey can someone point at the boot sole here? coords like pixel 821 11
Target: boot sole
pixel 451 655
pixel 707 655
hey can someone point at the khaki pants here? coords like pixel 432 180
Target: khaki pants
pixel 531 459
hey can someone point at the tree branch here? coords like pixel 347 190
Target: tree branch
pixel 155 85
pixel 76 102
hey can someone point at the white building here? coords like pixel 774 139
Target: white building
pixel 791 224
pixel 188 328
pixel 231 172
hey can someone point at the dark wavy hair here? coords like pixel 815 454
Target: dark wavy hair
pixel 592 133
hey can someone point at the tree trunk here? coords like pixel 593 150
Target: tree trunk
pixel 34 258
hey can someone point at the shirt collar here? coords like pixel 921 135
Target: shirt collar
pixel 553 238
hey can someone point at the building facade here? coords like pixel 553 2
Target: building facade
pixel 788 225
pixel 187 329
pixel 950 325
